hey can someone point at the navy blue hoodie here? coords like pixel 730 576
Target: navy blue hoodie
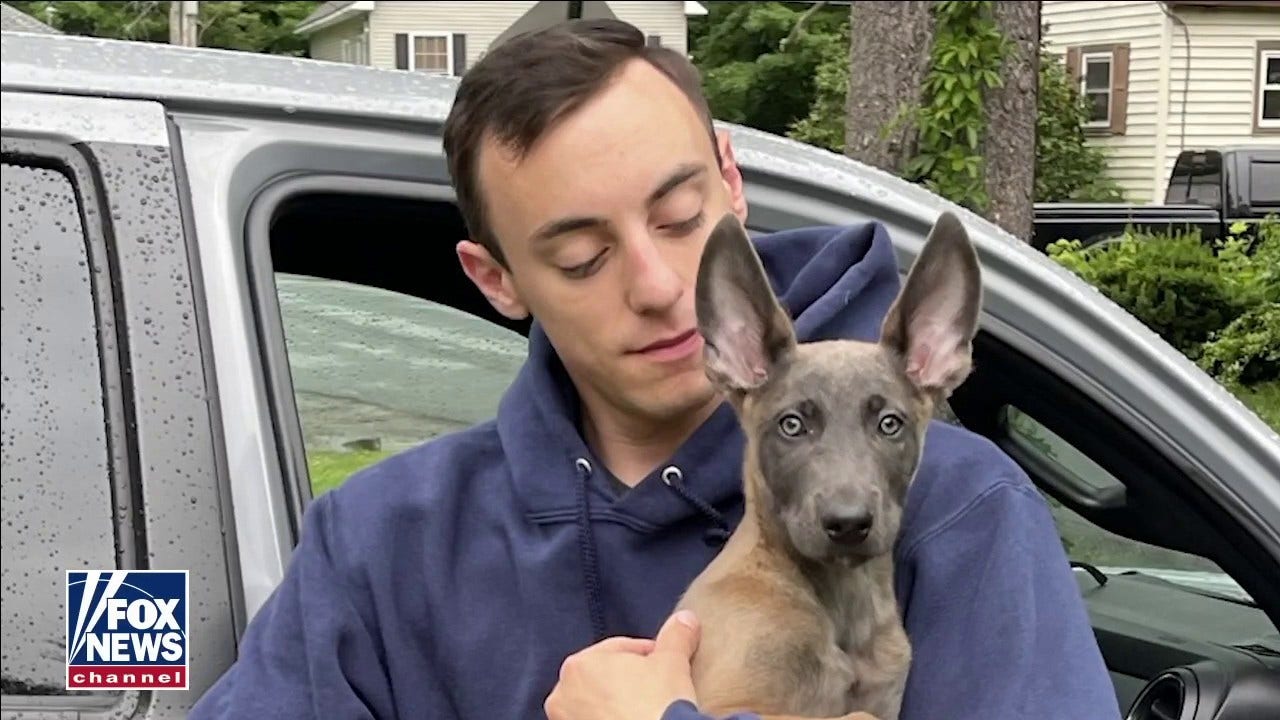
pixel 451 580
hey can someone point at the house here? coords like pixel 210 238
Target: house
pixel 448 37
pixel 14 20
pixel 1169 76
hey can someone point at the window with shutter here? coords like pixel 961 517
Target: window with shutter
pixel 1266 117
pixel 431 53
pixel 1101 75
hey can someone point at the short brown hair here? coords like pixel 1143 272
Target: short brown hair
pixel 517 91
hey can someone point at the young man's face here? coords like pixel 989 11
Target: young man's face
pixel 603 225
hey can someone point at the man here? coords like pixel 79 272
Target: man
pixel 530 564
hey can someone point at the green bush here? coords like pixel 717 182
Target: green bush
pixel 1251 261
pixel 1247 351
pixel 1068 168
pixel 1176 285
pixel 1217 303
pixel 1192 293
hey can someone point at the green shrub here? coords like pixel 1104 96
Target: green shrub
pixel 1247 351
pixel 1190 291
pixel 1173 284
pixel 1068 168
pixel 1251 261
pixel 1217 303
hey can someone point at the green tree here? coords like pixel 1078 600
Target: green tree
pixel 265 27
pixel 1067 167
pixel 757 69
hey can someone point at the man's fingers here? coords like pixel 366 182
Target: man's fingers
pixel 639 646
pixel 679 635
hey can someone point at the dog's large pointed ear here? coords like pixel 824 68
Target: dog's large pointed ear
pixel 745 330
pixel 932 322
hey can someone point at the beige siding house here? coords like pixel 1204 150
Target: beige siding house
pixel 1169 76
pixel 447 37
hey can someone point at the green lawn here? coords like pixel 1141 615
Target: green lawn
pixel 329 469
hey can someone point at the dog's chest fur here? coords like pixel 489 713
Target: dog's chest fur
pixel 866 628
pixel 778 638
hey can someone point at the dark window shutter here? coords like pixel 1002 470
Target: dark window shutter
pixel 402 51
pixel 1119 88
pixel 654 41
pixel 1073 66
pixel 459 53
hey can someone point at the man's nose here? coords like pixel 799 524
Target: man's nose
pixel 652 282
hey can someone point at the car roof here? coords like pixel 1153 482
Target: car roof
pixel 260 84
pixel 207 77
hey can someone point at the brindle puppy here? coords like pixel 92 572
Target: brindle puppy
pixel 798 612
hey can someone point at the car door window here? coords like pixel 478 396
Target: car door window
pixel 1108 552
pixel 387 344
pixel 56 482
pixel 376 371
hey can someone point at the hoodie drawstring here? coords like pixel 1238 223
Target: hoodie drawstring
pixel 587 546
pixel 674 479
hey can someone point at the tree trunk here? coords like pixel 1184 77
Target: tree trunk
pixel 1009 144
pixel 888 58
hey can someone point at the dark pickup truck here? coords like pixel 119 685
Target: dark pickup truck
pixel 1208 190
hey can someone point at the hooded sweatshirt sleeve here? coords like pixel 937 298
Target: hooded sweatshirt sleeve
pixel 310 652
pixel 998 626
pixel 685 710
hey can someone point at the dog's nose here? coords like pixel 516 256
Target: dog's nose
pixel 847 528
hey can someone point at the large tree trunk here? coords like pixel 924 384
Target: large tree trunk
pixel 1009 144
pixel 888 59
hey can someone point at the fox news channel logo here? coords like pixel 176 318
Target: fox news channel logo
pixel 127 630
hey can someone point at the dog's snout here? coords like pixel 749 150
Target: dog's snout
pixel 847 527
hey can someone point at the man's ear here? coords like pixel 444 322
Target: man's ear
pixel 747 334
pixel 732 176
pixel 932 322
pixel 492 279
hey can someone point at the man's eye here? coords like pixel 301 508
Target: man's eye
pixel 585 269
pixel 685 226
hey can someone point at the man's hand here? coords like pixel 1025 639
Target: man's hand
pixel 628 678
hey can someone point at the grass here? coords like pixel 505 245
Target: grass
pixel 330 469
pixel 1263 399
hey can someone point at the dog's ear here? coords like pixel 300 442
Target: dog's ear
pixel 746 331
pixel 932 322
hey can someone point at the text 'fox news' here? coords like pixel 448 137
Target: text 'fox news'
pixel 127 630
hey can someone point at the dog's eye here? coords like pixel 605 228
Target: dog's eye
pixel 890 425
pixel 791 425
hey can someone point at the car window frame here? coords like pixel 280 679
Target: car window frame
pixel 268 318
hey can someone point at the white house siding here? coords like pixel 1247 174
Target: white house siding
pixel 326 43
pixel 482 23
pixel 664 19
pixel 1133 155
pixel 1220 84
